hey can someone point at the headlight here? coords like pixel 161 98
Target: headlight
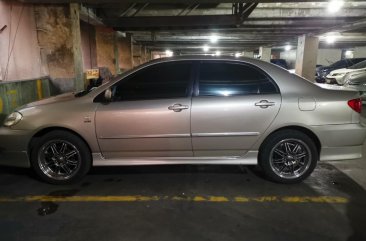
pixel 13 119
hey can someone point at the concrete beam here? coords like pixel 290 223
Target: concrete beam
pixel 161 1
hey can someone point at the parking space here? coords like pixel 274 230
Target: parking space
pixel 182 203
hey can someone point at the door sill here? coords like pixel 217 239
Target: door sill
pixel 248 159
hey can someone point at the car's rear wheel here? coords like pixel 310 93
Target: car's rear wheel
pixel 288 156
pixel 60 157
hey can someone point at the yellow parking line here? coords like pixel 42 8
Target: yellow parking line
pixel 140 198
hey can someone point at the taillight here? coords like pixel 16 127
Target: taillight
pixel 355 104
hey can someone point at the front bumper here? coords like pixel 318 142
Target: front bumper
pixel 340 142
pixel 14 147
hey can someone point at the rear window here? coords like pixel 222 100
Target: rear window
pixel 233 79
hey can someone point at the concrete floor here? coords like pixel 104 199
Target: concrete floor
pixel 182 203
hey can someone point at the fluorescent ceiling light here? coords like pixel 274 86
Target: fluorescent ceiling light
pixel 330 39
pixel 206 48
pixel 214 38
pixel 168 53
pixel 217 53
pixel 335 5
pixel 288 47
pixel 237 55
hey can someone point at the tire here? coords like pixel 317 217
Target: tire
pixel 288 156
pixel 60 157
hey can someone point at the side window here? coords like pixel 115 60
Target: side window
pixel 231 79
pixel 159 81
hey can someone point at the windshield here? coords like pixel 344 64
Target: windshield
pixel 360 65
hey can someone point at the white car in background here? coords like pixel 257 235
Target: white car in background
pixel 338 76
pixel 356 80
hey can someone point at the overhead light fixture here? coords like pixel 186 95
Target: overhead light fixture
pixel 237 55
pixel 288 47
pixel 217 53
pixel 214 38
pixel 335 5
pixel 205 48
pixel 330 39
pixel 168 53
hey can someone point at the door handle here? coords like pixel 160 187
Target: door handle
pixel 177 107
pixel 264 104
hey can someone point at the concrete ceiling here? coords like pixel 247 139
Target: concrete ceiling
pixel 185 26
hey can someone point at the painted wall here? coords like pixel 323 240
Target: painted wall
pixel 329 56
pixel 19 50
pixel 359 52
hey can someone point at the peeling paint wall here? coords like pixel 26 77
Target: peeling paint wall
pixel 19 50
pixel 55 39
pixel 54 36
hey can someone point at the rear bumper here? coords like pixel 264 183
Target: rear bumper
pixel 14 147
pixel 340 153
pixel 340 142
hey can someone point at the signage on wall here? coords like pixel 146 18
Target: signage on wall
pixel 92 73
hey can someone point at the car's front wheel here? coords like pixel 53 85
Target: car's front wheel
pixel 288 156
pixel 60 157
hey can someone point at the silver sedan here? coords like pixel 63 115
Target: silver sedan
pixel 188 110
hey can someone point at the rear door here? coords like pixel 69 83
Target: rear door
pixel 233 105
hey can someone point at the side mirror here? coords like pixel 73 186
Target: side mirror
pixel 108 94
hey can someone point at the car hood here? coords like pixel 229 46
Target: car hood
pixel 51 100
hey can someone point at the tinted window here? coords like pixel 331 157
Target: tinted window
pixel 229 79
pixel 160 81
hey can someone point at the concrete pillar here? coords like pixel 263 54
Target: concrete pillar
pixel 306 56
pixel 136 55
pixel 116 54
pixel 359 52
pixel 76 46
pixel 265 54
pixel 125 52
pixel 249 54
pixel 105 38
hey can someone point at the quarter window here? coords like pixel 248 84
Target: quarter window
pixel 160 81
pixel 231 79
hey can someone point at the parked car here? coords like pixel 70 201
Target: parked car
pixel 356 80
pixel 188 110
pixel 322 72
pixel 338 76
pixel 280 62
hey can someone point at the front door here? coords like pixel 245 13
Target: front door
pixel 149 115
pixel 235 103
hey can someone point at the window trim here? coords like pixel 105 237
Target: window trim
pixel 197 78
